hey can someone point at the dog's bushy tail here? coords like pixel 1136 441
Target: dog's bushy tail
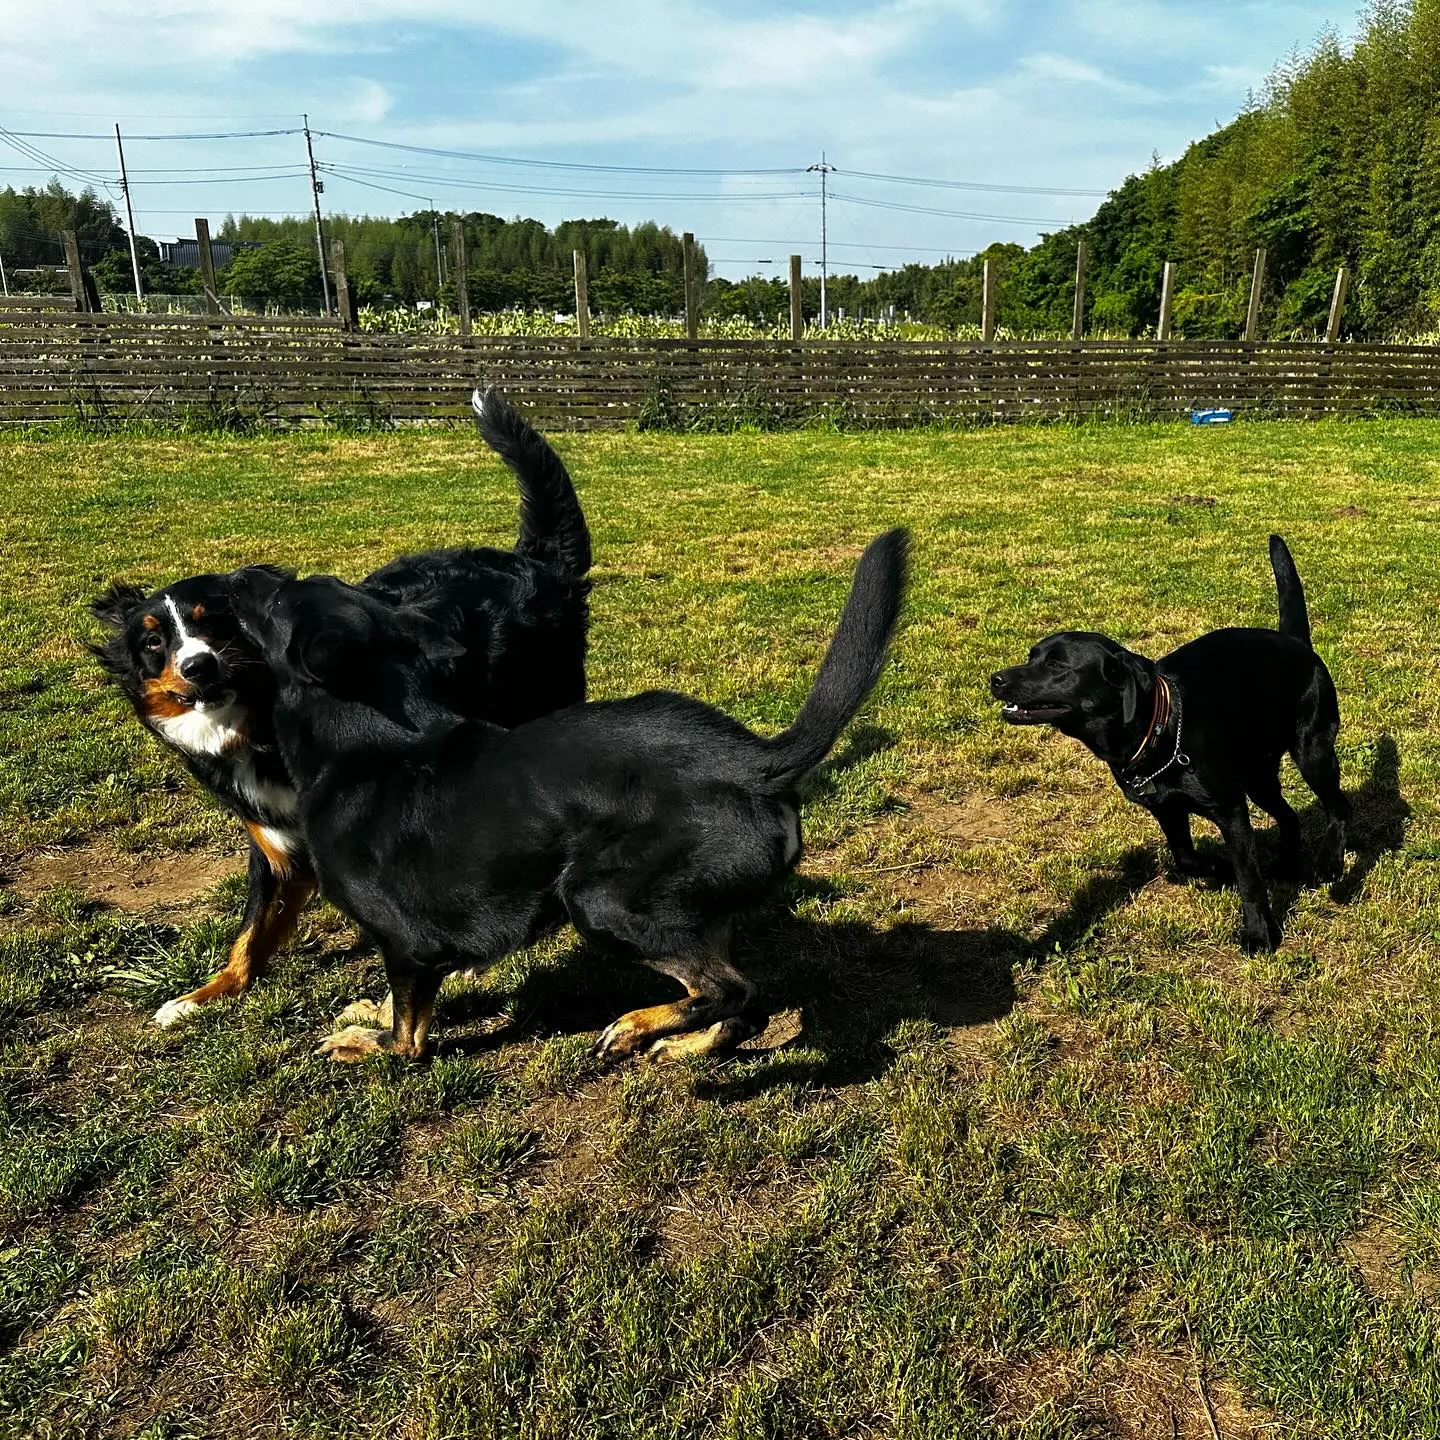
pixel 552 524
pixel 853 662
pixel 1294 617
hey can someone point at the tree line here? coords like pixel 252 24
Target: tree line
pixel 1336 163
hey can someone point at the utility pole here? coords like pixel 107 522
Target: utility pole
pixel 317 188
pixel 439 263
pixel 129 216
pixel 824 170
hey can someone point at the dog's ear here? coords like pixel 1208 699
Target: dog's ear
pixel 115 607
pixel 1127 673
pixel 433 632
pixel 334 652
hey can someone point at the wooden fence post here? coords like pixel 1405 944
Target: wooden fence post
pixel 692 308
pixel 1257 284
pixel 78 292
pixel 797 303
pixel 207 266
pixel 987 304
pixel 1077 325
pixel 1167 299
pixel 462 275
pixel 344 296
pixel 1337 305
pixel 582 297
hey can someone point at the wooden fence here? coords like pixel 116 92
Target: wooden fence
pixel 118 368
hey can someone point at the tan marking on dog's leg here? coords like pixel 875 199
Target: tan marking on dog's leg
pixel 720 1038
pixel 354 1042
pixel 637 1029
pixel 251 952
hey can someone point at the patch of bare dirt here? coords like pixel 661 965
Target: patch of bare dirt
pixel 1377 1251
pixel 972 820
pixel 1143 1395
pixel 699 1222
pixel 138 883
pixel 576 1130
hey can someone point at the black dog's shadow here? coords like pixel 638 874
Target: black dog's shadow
pixel 848 982
pixel 1377 827
pixel 852 983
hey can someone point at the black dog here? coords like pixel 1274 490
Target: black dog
pixel 200 684
pixel 1200 730
pixel 650 822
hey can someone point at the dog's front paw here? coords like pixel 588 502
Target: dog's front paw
pixel 718 1039
pixel 1203 867
pixel 172 1012
pixel 354 1042
pixel 1330 864
pixel 1260 934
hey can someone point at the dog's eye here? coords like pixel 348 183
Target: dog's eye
pixel 153 640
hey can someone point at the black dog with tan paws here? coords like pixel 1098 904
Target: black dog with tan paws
pixel 1202 729
pixel 649 823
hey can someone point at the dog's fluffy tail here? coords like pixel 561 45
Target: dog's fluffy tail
pixel 552 524
pixel 853 662
pixel 1294 617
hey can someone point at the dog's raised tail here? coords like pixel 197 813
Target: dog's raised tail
pixel 1294 617
pixel 853 662
pixel 552 524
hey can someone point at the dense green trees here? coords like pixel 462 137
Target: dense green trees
pixel 511 262
pixel 1337 164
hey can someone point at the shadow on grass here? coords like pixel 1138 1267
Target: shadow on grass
pixel 1377 827
pixel 1377 824
pixel 851 983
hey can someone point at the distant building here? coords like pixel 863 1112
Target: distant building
pixel 185 254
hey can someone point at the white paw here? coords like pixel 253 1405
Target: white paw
pixel 367 1012
pixel 172 1012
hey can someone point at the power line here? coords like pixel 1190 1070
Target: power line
pixel 346 172
pixel 553 164
pixel 971 185
pixel 170 135
pixel 954 214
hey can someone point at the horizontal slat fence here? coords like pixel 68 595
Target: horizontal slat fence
pixel 138 367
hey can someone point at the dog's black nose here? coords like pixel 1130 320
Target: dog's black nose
pixel 200 668
pixel 996 681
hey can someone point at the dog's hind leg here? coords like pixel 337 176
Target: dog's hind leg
pixel 272 910
pixel 1264 790
pixel 1260 930
pixel 413 989
pixel 709 1019
pixel 1314 754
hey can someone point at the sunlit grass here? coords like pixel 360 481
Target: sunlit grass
pixel 1039 1146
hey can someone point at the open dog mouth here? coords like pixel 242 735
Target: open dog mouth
pixel 202 698
pixel 1032 714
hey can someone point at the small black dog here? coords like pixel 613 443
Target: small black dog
pixel 650 822
pixel 1200 730
pixel 200 684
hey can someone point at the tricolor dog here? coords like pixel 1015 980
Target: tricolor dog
pixel 202 686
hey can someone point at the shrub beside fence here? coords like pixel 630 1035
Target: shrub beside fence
pixel 109 368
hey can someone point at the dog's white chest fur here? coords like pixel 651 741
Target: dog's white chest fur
pixel 205 729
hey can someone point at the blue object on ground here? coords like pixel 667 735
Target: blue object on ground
pixel 1216 416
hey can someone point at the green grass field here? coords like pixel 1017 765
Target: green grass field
pixel 1031 1148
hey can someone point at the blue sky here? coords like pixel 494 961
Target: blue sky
pixel 1053 95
